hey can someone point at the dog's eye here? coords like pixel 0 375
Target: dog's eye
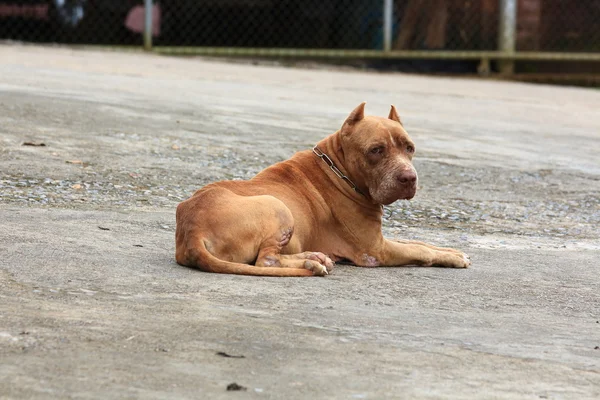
pixel 410 149
pixel 377 150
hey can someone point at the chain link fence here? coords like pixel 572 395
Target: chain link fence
pixel 433 25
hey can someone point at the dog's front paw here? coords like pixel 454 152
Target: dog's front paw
pixel 456 259
pixel 467 260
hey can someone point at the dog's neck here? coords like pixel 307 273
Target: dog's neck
pixel 325 158
pixel 332 147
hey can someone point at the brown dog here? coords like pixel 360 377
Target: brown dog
pixel 298 216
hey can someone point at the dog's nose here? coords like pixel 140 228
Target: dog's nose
pixel 408 177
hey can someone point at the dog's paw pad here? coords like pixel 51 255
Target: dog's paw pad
pixel 323 259
pixel 319 257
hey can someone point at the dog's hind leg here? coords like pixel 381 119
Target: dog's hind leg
pixel 270 253
pixel 285 261
pixel 315 256
pixel 270 256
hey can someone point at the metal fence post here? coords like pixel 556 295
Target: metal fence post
pixel 148 25
pixel 507 34
pixel 388 14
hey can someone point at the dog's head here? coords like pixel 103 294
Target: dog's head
pixel 378 155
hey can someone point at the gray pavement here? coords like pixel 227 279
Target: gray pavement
pixel 92 304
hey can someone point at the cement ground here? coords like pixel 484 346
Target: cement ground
pixel 93 306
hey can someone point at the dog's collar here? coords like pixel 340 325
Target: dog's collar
pixel 335 169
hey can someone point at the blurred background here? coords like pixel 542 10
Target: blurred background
pixel 545 39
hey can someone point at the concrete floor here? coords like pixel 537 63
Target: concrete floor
pixel 92 304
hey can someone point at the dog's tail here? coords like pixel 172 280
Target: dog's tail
pixel 199 257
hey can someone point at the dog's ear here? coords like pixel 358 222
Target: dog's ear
pixel 356 115
pixel 394 115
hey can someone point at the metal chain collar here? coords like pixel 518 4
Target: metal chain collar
pixel 335 169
